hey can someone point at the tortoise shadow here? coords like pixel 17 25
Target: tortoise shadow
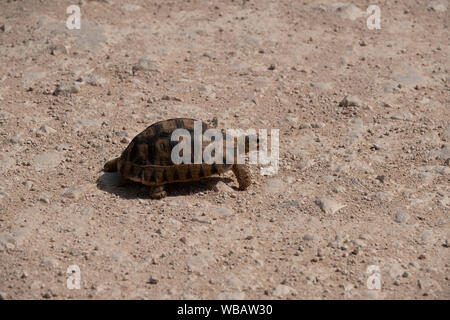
pixel 126 189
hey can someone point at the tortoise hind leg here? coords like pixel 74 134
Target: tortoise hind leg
pixel 243 175
pixel 111 166
pixel 157 192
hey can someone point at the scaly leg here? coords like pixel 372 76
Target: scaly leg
pixel 157 192
pixel 243 175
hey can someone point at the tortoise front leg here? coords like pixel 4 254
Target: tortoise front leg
pixel 157 192
pixel 243 175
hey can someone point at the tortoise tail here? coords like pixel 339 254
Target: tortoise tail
pixel 111 166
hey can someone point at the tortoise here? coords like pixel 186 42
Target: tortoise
pixel 147 159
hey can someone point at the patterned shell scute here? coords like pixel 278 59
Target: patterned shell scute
pixel 153 146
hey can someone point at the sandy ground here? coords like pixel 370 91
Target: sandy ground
pixel 362 192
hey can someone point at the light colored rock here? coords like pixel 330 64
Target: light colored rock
pixel 359 243
pixel 446 133
pixel 347 11
pixel 281 291
pixel 223 187
pixel 409 77
pixel 28 77
pixel 234 283
pixel 385 196
pixel 438 6
pixel 274 186
pixel 231 296
pixel 224 212
pixel 6 239
pixel 396 271
pixel 445 201
pixel 372 294
pixel 329 206
pixel 309 237
pixel 426 283
pixel 87 123
pixel 402 115
pixel 401 217
pixel 347 286
pixel 6 162
pixel 443 153
pixel 201 220
pixel 198 263
pixel 49 262
pixel 131 7
pixel 177 224
pixel 291 120
pixel 304 163
pixel 317 124
pixel 44 130
pixel 5 116
pixel 58 49
pixel 305 125
pixel 350 101
pixel 206 90
pixel 355 133
pixel 427 236
pixel 91 36
pixel 190 240
pixel 146 63
pixel 321 85
pixel 110 179
pixel 15 139
pixel 44 199
pixel 66 89
pixel 86 211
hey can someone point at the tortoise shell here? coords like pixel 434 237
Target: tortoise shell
pixel 147 159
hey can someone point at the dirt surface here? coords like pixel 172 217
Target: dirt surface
pixel 363 119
